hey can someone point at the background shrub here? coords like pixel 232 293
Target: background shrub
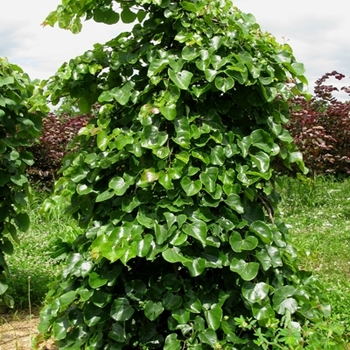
pixel 321 128
pixel 57 132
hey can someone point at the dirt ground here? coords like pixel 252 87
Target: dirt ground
pixel 18 330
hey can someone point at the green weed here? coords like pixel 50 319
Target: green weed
pixel 32 264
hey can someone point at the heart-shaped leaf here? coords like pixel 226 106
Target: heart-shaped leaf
pixel 191 187
pixel 181 79
pixel 121 310
pixel 247 270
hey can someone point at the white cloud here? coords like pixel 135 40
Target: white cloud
pixel 41 50
pixel 317 32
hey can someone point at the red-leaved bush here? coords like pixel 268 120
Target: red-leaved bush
pixel 321 128
pixel 57 132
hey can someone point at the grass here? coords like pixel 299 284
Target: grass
pixel 317 212
pixel 32 266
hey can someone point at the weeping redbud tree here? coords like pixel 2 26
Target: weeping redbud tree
pixel 174 186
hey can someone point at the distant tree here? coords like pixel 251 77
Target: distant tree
pixel 321 128
pixel 57 133
pixel 174 186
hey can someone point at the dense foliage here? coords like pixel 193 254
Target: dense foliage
pixel 174 186
pixel 321 128
pixel 18 129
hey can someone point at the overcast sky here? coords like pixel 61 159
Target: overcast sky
pixel 318 32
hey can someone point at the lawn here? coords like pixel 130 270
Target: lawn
pixel 316 211
pixel 318 214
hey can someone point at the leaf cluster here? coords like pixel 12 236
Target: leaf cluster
pixel 18 128
pixel 173 184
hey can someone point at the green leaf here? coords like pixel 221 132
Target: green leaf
pixel 22 221
pixel 255 293
pixel 102 140
pixel 169 111
pixel 274 255
pixel 264 259
pixel 148 176
pixel 83 189
pixel 66 299
pixel 121 310
pixel 172 343
pixel 189 53
pixel 208 337
pixel 162 233
pixel 174 255
pixel 152 138
pixel 238 244
pixel 6 247
pixel 217 156
pixel 122 140
pixel 234 201
pixel 130 253
pixel 60 327
pixel 178 239
pixel 213 317
pixel 121 95
pixel 198 230
pixel 247 271
pixel 192 6
pixel 128 16
pixel 19 179
pixel 6 81
pixel 95 281
pixel 196 267
pixel 106 15
pixel 183 156
pixel 3 287
pixel 104 196
pixel 153 310
pixel 261 139
pixel 262 161
pixel 92 314
pixel 118 185
pixel 165 180
pixel 263 312
pixel 144 246
pixel 192 303
pixel 224 83
pixel 298 68
pixel 209 178
pixel 282 293
pixel 190 187
pixel 181 79
pixel 156 66
pixel 171 301
pixel 182 316
pixel 261 229
pixel 84 105
pixel 289 304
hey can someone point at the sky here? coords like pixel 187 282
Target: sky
pixel 318 32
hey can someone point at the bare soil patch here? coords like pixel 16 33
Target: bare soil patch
pixel 17 332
